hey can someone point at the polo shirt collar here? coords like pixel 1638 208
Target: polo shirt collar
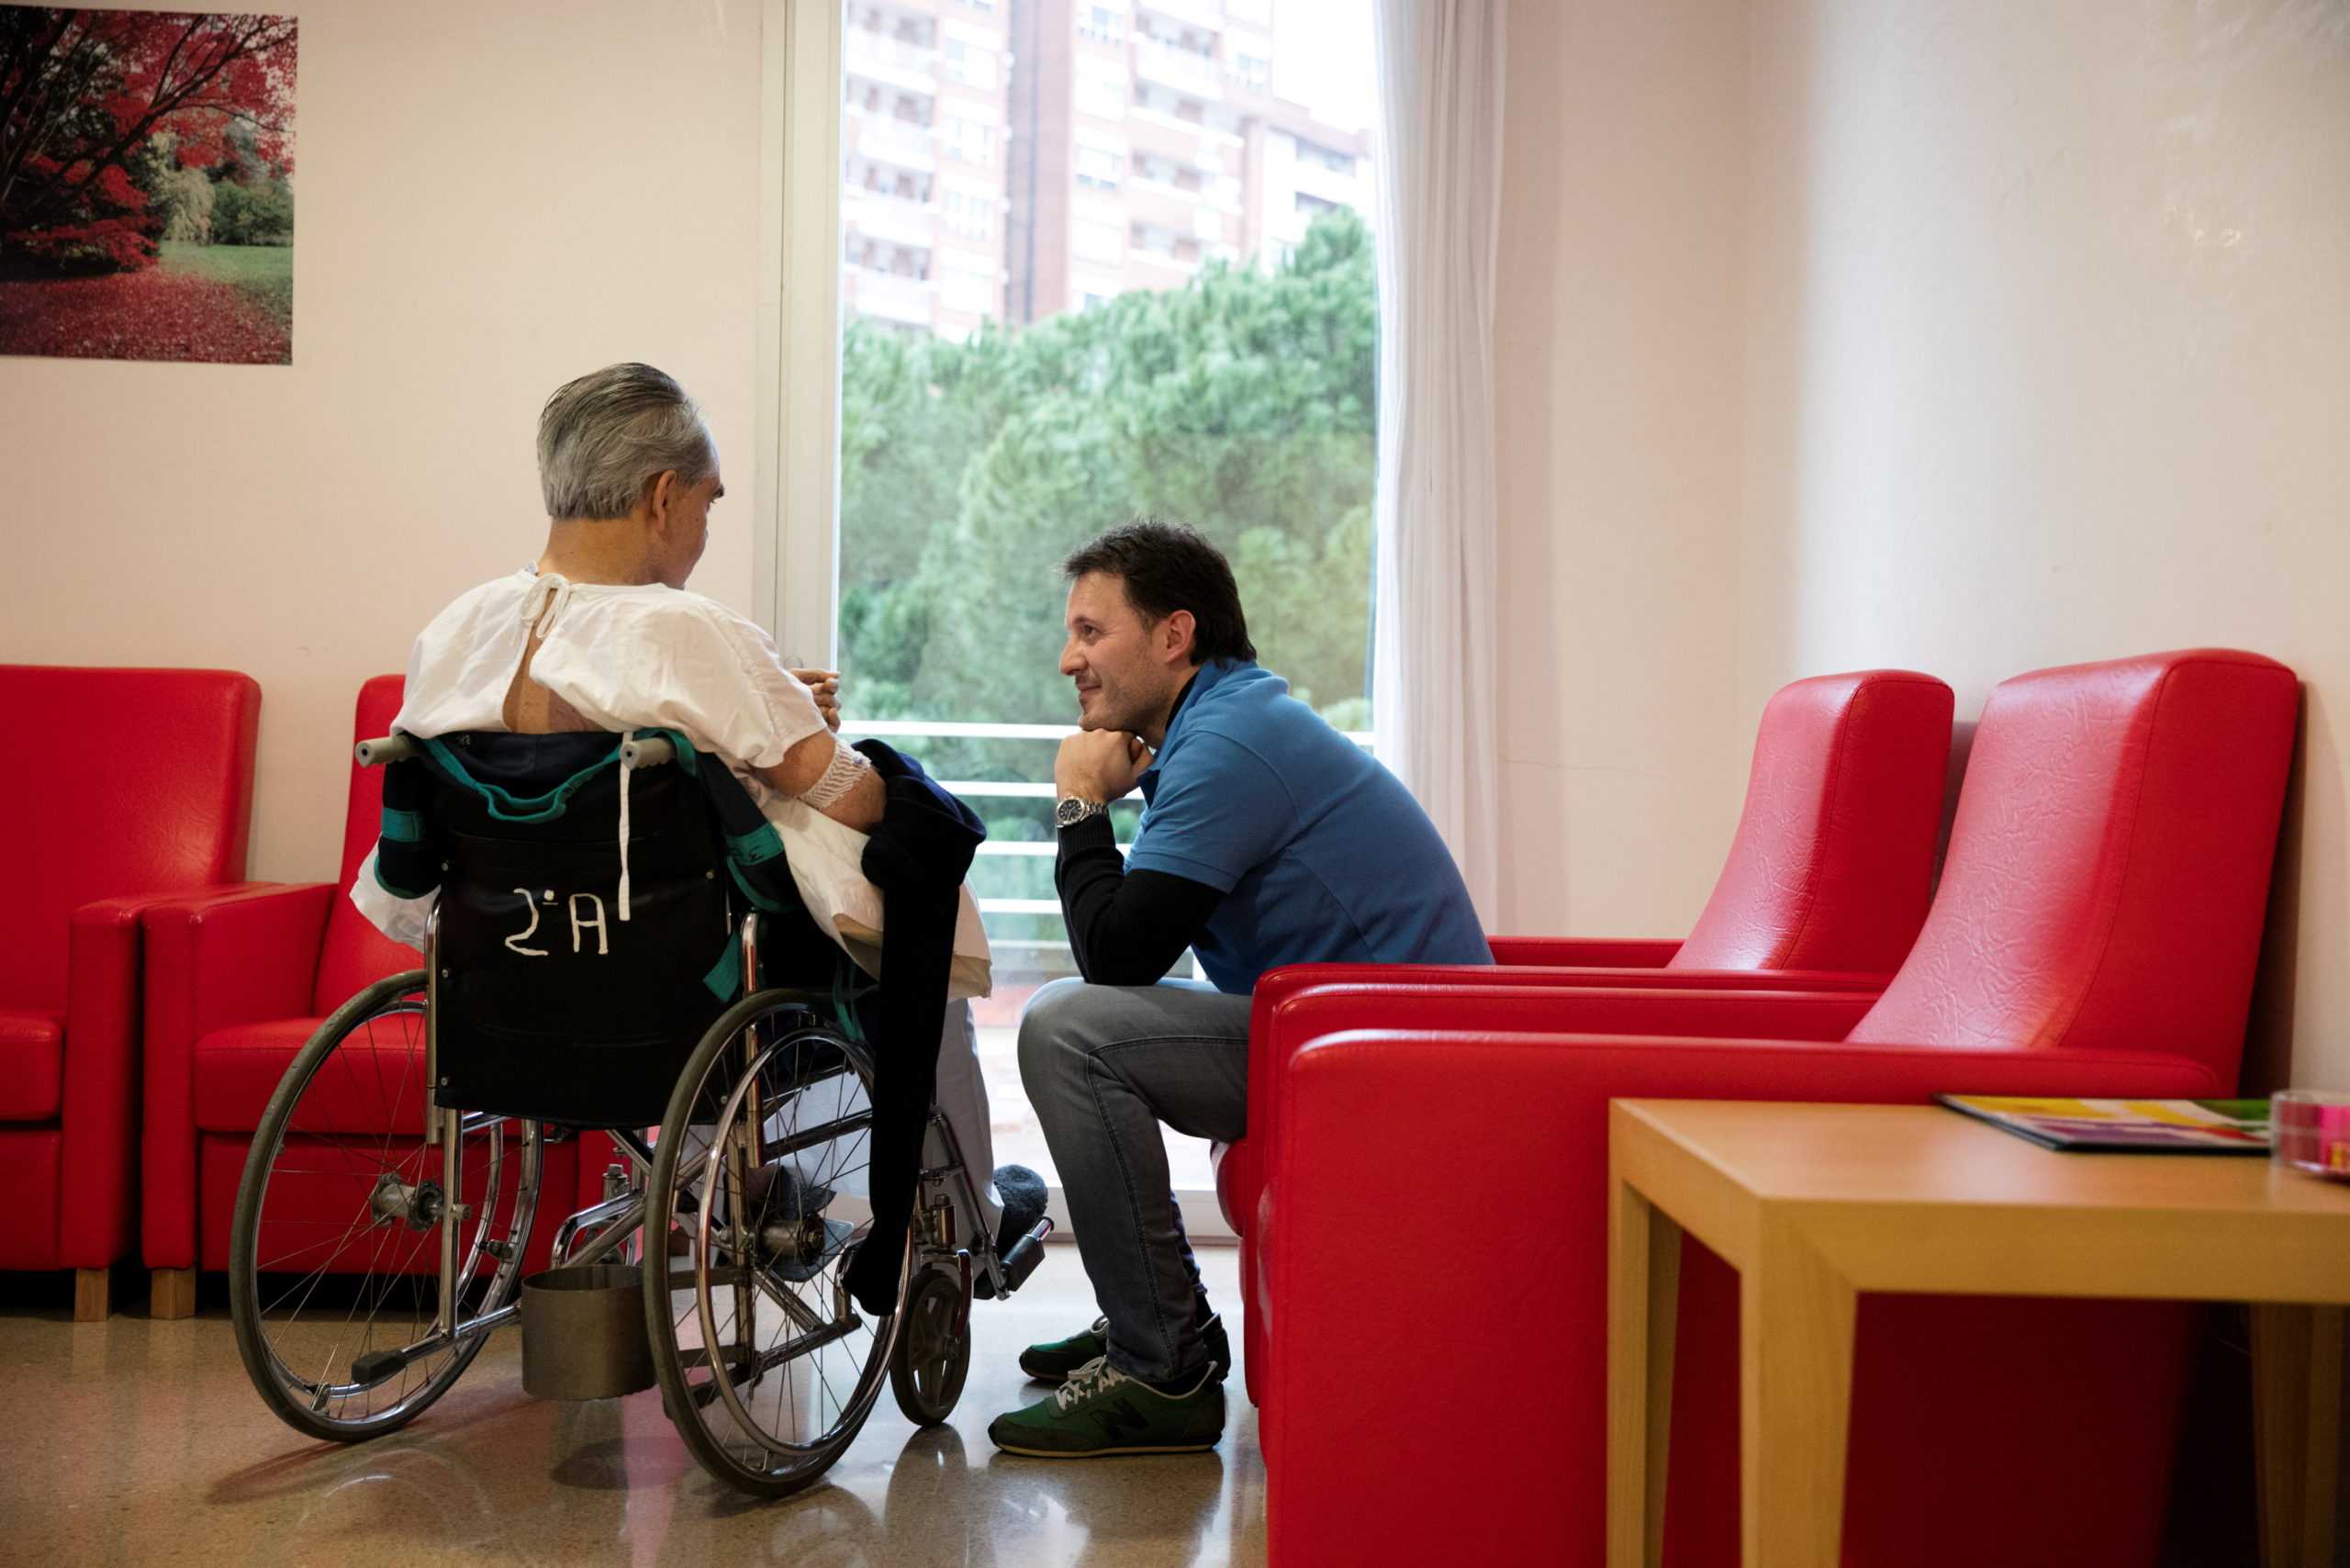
pixel 1210 675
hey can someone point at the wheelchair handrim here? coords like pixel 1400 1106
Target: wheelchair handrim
pixel 264 1353
pixel 802 1460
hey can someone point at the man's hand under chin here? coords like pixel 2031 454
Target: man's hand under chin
pixel 1098 765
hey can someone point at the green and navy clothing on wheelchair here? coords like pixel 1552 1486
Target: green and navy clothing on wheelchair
pixel 618 946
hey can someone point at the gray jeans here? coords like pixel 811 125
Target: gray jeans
pixel 1104 1065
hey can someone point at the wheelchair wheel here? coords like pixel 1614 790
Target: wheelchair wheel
pixel 927 1369
pixel 335 1251
pixel 759 1182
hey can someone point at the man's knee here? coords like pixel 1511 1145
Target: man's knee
pixel 1052 1031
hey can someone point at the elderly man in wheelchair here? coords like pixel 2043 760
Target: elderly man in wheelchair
pixel 649 885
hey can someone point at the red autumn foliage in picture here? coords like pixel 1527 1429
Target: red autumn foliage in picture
pixel 146 184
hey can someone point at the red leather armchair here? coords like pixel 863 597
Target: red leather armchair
pixel 236 982
pixel 1828 876
pixel 2095 933
pixel 95 835
pixel 1826 885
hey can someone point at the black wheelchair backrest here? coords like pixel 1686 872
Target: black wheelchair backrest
pixel 577 965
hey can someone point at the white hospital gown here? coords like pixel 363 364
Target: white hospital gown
pixel 651 657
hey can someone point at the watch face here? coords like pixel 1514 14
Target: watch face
pixel 1069 813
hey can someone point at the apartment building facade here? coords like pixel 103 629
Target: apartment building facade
pixel 923 162
pixel 1010 160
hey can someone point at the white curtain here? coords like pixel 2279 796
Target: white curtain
pixel 1441 67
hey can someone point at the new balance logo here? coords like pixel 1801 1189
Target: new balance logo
pixel 1120 1420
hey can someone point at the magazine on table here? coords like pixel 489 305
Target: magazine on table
pixel 2132 1126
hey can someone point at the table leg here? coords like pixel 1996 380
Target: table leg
pixel 1643 1308
pixel 1796 1316
pixel 2296 1355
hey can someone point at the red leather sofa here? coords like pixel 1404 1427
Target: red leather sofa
pixel 236 982
pixel 2095 933
pixel 96 834
pixel 1827 882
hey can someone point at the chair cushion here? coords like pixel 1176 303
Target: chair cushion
pixel 377 1088
pixel 32 1065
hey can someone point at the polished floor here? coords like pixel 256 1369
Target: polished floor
pixel 137 1442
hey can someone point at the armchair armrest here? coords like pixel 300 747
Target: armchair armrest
pixel 236 956
pixel 100 1109
pixel 1299 1016
pixel 1276 983
pixel 1494 1147
pixel 1584 952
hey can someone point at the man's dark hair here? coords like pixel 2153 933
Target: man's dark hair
pixel 1166 567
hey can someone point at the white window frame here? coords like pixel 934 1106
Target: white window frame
pixel 795 576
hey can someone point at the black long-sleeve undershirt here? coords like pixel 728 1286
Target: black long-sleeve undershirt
pixel 1126 927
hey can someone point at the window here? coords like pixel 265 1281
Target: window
pixel 970 212
pixel 1099 239
pixel 1325 157
pixel 970 64
pixel 1100 161
pixel 1011 309
pixel 971 141
pixel 1308 203
pixel 1100 89
pixel 1103 24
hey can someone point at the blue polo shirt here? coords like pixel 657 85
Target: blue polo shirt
pixel 1321 855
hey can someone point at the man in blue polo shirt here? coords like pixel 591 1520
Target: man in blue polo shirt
pixel 1267 838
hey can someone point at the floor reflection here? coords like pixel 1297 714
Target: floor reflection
pixel 134 1441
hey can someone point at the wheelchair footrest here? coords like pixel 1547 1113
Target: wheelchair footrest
pixel 1026 1254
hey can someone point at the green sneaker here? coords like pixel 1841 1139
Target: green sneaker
pixel 1057 1361
pixel 1100 1411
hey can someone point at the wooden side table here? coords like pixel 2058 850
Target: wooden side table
pixel 1814 1203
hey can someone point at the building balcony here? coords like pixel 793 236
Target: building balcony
pixel 1159 61
pixel 888 62
pixel 900 143
pixel 1321 180
pixel 1176 264
pixel 903 223
pixel 891 297
pixel 1191 13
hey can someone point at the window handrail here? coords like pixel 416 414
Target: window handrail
pixel 961 729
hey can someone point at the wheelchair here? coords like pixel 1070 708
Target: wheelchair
pixel 390 1203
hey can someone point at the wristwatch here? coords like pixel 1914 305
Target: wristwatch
pixel 1072 810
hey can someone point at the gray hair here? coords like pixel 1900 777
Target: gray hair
pixel 603 437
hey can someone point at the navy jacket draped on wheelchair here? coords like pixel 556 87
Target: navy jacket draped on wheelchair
pixel 618 946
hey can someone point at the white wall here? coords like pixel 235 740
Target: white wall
pixel 491 200
pixel 1618 370
pixel 2050 361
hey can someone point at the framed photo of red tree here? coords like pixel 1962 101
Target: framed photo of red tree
pixel 146 185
